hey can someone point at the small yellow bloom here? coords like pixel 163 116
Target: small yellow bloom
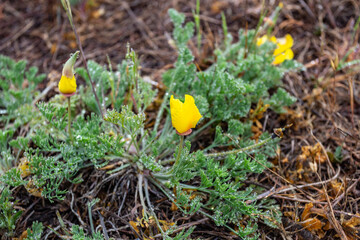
pixel 184 116
pixel 283 44
pixel 262 40
pixel 273 39
pixel 287 55
pixel 67 84
pixel 283 51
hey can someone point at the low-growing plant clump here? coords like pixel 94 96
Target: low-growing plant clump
pixel 197 152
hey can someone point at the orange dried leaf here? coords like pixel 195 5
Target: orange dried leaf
pixel 328 226
pixel 353 221
pixel 134 226
pixel 98 13
pixel 218 6
pixel 24 235
pixel 312 224
pixel 336 187
pixel 166 225
pixel 24 167
pixel 32 189
pixel 73 44
pixel 291 215
pixel 53 48
pixel 306 213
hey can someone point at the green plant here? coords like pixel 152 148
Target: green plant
pixel 17 93
pixel 231 94
pixel 79 234
pixel 35 232
pixel 8 215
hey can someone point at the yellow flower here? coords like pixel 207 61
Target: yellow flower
pixel 283 51
pixel 283 44
pixel 264 39
pixel 184 116
pixel 67 84
pixel 287 55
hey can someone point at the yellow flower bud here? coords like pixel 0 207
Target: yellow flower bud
pixel 184 116
pixel 67 83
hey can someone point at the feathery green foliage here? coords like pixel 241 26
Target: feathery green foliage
pixel 208 180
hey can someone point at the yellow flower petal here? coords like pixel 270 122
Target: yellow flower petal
pixel 279 59
pixel 273 39
pixel 184 116
pixel 262 40
pixel 67 85
pixel 287 55
pixel 283 44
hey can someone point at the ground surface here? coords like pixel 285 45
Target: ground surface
pixel 327 112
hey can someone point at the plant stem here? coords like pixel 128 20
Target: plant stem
pixel 69 123
pixel 179 151
pixel 221 154
pixel 167 193
pixel 141 195
pixel 197 24
pixel 212 218
pixel 112 84
pixel 225 29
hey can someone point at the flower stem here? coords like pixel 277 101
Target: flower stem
pixel 69 115
pixel 67 7
pixel 179 151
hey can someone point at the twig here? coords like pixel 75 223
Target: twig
pixel 123 201
pixel 297 199
pixel 17 35
pixel 71 207
pixel 324 151
pixel 187 225
pixel 106 236
pixel 146 187
pixel 44 92
pixel 145 31
pixel 337 200
pixel 272 192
